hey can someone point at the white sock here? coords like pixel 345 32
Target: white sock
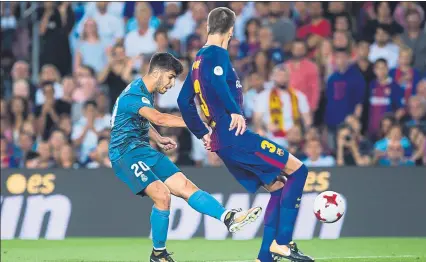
pixel 160 249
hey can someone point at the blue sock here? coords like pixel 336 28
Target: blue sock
pixel 272 215
pixel 289 204
pixel 206 204
pixel 160 227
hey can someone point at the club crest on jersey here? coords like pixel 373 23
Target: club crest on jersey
pixel 280 152
pixel 146 100
pixel 218 71
pixel 238 84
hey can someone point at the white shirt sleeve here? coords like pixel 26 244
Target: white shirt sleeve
pixel 261 103
pixel 77 130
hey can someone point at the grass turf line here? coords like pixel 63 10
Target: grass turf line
pixel 197 250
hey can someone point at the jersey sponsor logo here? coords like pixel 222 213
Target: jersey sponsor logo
pixel 218 70
pixel 146 100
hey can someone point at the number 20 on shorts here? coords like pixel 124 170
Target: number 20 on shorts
pixel 135 167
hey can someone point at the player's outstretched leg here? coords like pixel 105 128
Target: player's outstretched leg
pixel 160 194
pixel 206 204
pixel 283 246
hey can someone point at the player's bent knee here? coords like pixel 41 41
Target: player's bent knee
pixel 292 165
pixel 160 195
pixel 181 186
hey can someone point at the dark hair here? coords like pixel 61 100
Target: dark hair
pixel 31 155
pixel 160 31
pixel 46 84
pixel 166 62
pixel 381 60
pixel 250 21
pixel 220 20
pixel 345 50
pixel 26 108
pixel 90 102
pixel 91 70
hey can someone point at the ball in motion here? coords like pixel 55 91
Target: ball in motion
pixel 329 207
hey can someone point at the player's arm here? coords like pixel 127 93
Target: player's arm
pixel 161 119
pixel 218 72
pixel 188 109
pixel 165 143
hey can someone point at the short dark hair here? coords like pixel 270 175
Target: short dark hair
pixel 159 32
pixel 90 102
pixel 91 70
pixel 220 20
pixel 31 155
pixel 381 60
pixel 166 62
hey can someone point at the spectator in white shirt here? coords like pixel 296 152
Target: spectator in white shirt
pixel 186 23
pixel 384 48
pixel 315 158
pixel 113 8
pixel 255 85
pixel 86 131
pixel 49 73
pixel 141 41
pixel 110 27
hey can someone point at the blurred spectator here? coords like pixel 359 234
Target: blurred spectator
pixel 395 134
pixel 315 157
pixel 261 64
pixel 65 125
pixel 7 160
pixel 416 113
pixel 133 24
pixel 384 19
pixel 348 151
pixel 384 48
pixel 48 113
pixel 385 125
pixel 345 93
pixel 141 40
pixel 43 149
pixel 304 74
pixel 403 8
pixel 90 50
pixel 113 8
pixel 56 141
pixel 418 139
pixel 19 113
pixel 110 27
pixel 295 141
pixel 405 75
pixel 85 131
pixel 67 158
pixel 8 24
pixel 86 88
pixel 171 13
pixel 251 44
pixel 318 29
pixel 25 144
pixel 162 40
pixel 32 160
pixel 168 101
pixel 5 126
pixel 243 12
pixel 103 111
pixel 21 71
pixel 186 23
pixel 324 59
pixel 384 96
pixel 280 108
pixel 415 39
pixel 21 89
pixel 261 10
pixel 283 29
pixel 339 16
pixel 300 13
pixel 55 26
pixel 395 155
pixel 49 73
pixel 99 157
pixel 117 74
pixel 255 86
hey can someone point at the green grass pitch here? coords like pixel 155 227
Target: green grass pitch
pixel 197 250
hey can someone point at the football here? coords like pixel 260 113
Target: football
pixel 329 207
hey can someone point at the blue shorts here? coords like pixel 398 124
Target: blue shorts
pixel 142 166
pixel 254 160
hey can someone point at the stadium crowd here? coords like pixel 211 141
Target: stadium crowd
pixel 336 83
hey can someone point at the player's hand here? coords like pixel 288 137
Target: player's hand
pixel 238 121
pixel 207 142
pixel 166 143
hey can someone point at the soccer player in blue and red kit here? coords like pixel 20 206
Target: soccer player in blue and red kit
pixel 148 172
pixel 253 160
